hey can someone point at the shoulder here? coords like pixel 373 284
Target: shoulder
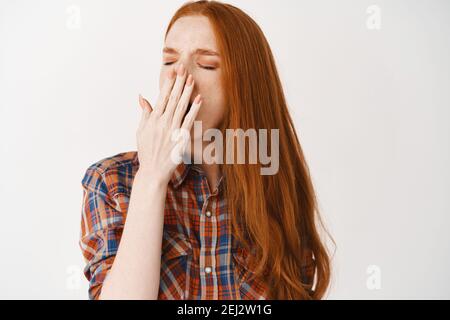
pixel 112 174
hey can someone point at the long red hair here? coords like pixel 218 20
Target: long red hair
pixel 276 216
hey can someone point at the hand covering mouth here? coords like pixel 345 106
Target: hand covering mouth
pixel 187 110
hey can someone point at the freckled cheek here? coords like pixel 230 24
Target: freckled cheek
pixel 209 88
pixel 211 112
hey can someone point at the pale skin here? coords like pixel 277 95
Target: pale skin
pixel 190 75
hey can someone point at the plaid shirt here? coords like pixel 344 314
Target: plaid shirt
pixel 200 259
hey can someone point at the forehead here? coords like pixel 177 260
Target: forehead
pixel 190 33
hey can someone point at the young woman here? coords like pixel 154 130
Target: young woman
pixel 155 229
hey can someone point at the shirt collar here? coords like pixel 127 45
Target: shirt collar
pixel 179 175
pixel 182 170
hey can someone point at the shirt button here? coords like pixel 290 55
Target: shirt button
pixel 208 214
pixel 208 270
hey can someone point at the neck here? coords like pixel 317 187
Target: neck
pixel 212 172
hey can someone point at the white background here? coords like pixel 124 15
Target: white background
pixel 371 107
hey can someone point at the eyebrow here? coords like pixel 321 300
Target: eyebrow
pixel 204 52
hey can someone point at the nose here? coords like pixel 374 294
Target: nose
pixel 189 70
pixel 186 64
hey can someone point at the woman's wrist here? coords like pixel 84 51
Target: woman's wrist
pixel 150 179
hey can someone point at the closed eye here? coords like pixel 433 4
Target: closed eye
pixel 204 67
pixel 207 67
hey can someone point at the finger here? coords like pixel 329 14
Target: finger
pixel 175 94
pixel 144 114
pixel 164 93
pixel 146 108
pixel 192 114
pixel 183 103
pixel 145 104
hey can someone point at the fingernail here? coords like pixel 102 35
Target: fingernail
pixel 198 99
pixel 190 80
pixel 181 70
pixel 171 74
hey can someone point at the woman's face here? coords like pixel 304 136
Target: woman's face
pixel 191 42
